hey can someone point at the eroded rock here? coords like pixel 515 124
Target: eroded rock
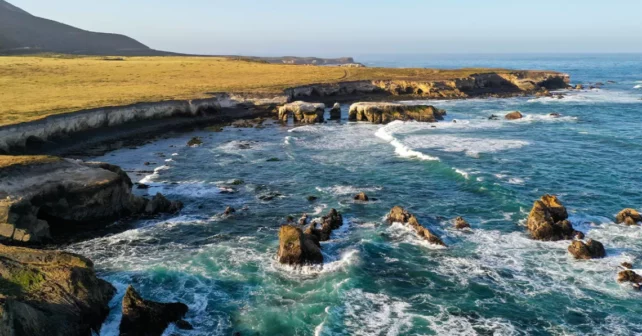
pixel 399 214
pixel 67 195
pixel 628 216
pixel 148 318
pixel 335 112
pixel 630 276
pixel 385 112
pixel 50 293
pixel 301 111
pixel 361 197
pixel 592 249
pixel 298 248
pixel 514 115
pixel 548 220
pixel 461 223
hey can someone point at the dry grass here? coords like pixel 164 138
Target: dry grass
pixel 7 160
pixel 34 87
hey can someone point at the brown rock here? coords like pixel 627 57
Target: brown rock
pixel 629 276
pixel 461 223
pixel 148 318
pixel 52 293
pixel 229 210
pixel 548 220
pixel 195 141
pixel 626 265
pixel 579 87
pixel 399 214
pixel 513 115
pixel 361 197
pixel 628 216
pixel 592 249
pixel 298 248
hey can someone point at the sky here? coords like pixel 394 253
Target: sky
pixel 332 28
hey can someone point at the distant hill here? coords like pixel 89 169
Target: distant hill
pixel 23 33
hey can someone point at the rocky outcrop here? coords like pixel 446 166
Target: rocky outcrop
pixel 308 113
pixel 548 220
pixel 330 222
pixel 148 318
pixel 630 276
pixel 41 199
pixel 361 197
pixel 385 112
pixel 50 293
pixel 298 248
pixel 513 115
pixel 195 141
pixel 400 215
pixel 592 249
pixel 335 112
pixel 461 223
pixel 628 216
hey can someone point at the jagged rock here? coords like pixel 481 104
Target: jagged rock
pixel 64 195
pixel 628 216
pixel 269 196
pixel 579 87
pixel 630 276
pixel 493 117
pixel 592 249
pixel 543 93
pixel 514 115
pixel 330 222
pixel 399 214
pixel 50 293
pixel 195 141
pixel 308 113
pixel 335 112
pixel 548 220
pixel 298 248
pixel 229 210
pixel 626 265
pixel 148 318
pixel 461 223
pixel 361 197
pixel 554 115
pixel 312 198
pixel 303 220
pixel 385 112
pixel 578 235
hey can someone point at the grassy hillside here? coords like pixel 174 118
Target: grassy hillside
pixel 34 87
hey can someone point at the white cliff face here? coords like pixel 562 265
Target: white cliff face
pixel 16 135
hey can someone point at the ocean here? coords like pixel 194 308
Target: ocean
pixel 381 279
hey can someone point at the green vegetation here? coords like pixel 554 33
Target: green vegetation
pixel 33 87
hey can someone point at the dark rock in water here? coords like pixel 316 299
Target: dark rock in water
pixel 592 249
pixel 195 141
pixel 400 215
pixel 237 182
pixel 66 195
pixel 611 82
pixel 626 265
pixel 630 276
pixel 330 222
pixel 361 197
pixel 554 115
pixel 273 159
pixel 269 196
pixel 229 210
pixel 335 112
pixel 312 198
pixel 578 235
pixel 50 293
pixel 142 186
pixel 461 223
pixel 513 115
pixel 298 248
pixel 148 318
pixel 493 117
pixel 548 220
pixel 303 220
pixel 628 216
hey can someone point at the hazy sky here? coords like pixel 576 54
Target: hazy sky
pixel 358 27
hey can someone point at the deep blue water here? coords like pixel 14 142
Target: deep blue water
pixel 380 279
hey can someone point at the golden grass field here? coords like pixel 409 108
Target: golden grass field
pixel 33 87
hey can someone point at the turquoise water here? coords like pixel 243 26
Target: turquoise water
pixel 380 279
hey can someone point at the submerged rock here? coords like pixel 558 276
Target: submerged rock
pixel 65 195
pixel 195 141
pixel 50 293
pixel 385 112
pixel 592 249
pixel 148 318
pixel 548 220
pixel 493 117
pixel 628 216
pixel 513 115
pixel 399 214
pixel 461 223
pixel 298 248
pixel 301 111
pixel 335 112
pixel 361 197
pixel 229 211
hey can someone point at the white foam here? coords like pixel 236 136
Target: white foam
pixel 375 314
pixel 590 97
pixel 401 149
pixel 404 234
pixel 462 173
pixel 152 177
pixel 639 86
pixel 470 146
pixel 340 190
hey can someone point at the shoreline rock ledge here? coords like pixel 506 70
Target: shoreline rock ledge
pixel 50 293
pixel 385 112
pixel 308 113
pixel 44 197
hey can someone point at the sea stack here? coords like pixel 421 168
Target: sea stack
pixel 548 220
pixel 385 112
pixel 303 112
